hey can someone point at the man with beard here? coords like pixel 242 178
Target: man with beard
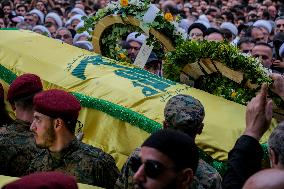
pixel 168 160
pixel 134 42
pixel 17 147
pixel 55 118
pixel 186 114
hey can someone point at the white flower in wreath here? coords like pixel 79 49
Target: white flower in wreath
pixel 112 6
pixel 179 31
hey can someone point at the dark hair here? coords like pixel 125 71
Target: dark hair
pixel 197 25
pixel 57 10
pixel 25 102
pixel 242 27
pixel 230 16
pixel 210 10
pixel 6 3
pixel 249 30
pixel 22 5
pixel 227 34
pixel 211 30
pixel 245 40
pixel 263 44
pixel 178 146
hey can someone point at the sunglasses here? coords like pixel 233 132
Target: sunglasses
pixel 28 19
pixel 246 51
pixel 65 36
pixel 152 169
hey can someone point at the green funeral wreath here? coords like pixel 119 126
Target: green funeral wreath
pixel 111 37
pixel 194 51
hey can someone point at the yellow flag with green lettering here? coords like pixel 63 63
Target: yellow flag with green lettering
pixel 121 104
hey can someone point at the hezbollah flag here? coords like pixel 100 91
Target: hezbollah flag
pixel 122 105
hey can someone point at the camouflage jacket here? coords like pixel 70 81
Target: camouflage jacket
pixel 206 177
pixel 17 148
pixel 88 164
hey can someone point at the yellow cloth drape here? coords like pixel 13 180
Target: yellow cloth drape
pixel 75 70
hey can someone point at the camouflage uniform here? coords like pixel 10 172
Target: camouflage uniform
pixel 17 148
pixel 88 164
pixel 206 177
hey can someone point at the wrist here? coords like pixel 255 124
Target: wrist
pixel 253 134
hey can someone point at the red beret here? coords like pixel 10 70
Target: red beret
pixel 47 180
pixel 23 86
pixel 57 104
pixel 1 94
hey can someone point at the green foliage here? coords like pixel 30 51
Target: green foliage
pixel 192 51
pixel 112 35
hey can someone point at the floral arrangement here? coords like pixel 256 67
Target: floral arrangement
pixel 163 23
pixel 216 83
pixel 186 51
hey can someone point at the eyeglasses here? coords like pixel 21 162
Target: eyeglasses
pixel 65 36
pixel 246 51
pixel 134 48
pixel 153 169
pixel 279 25
pixel 263 57
pixel 196 34
pixel 28 19
pixel 259 39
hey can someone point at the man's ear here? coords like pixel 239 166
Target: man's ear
pixel 58 123
pixel 165 125
pixel 200 128
pixel 185 178
pixel 273 158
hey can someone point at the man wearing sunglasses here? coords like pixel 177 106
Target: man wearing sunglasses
pixel 168 160
pixel 186 114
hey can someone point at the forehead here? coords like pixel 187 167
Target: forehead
pixel 40 115
pixel 63 31
pixel 21 8
pixel 148 153
pixel 261 50
pixel 28 16
pixel 256 31
pixel 134 44
pixel 280 21
pixel 247 44
pixel 195 30
pixel 215 36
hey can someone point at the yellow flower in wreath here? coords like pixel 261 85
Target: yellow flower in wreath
pixel 233 94
pixel 168 17
pixel 124 3
pixel 121 56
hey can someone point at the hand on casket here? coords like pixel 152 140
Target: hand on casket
pixel 258 114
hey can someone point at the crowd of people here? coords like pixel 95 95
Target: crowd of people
pixel 42 137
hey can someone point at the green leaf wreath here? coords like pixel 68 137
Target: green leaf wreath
pixel 193 51
pixel 113 35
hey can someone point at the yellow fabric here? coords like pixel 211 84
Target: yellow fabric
pixel 5 180
pixel 55 62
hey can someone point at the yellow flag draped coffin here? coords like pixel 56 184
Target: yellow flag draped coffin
pixel 122 105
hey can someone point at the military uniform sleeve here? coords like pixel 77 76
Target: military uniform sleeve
pixel 243 161
pixel 125 179
pixel 105 172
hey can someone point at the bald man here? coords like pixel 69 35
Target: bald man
pixel 269 178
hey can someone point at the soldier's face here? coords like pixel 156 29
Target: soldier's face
pixel 155 172
pixel 44 133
